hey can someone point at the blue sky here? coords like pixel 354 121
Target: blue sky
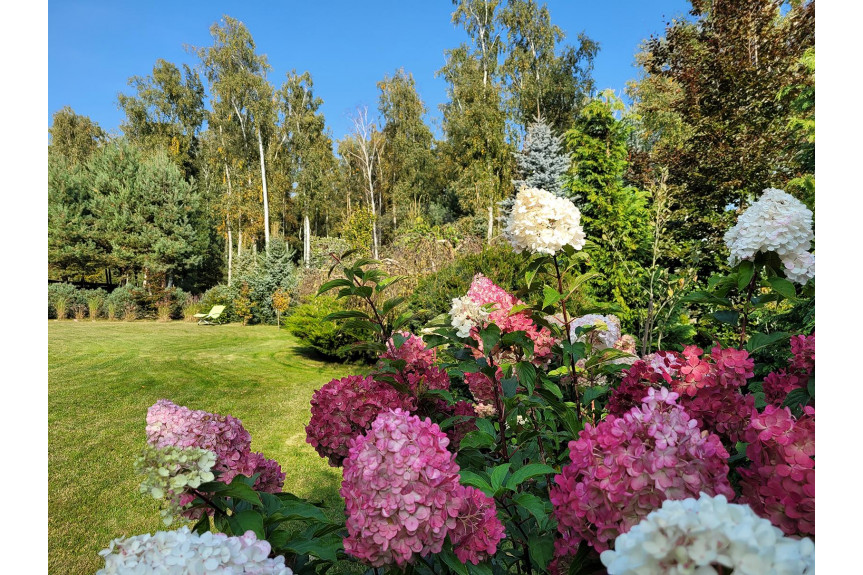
pixel 347 46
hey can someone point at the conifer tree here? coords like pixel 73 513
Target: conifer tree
pixel 542 163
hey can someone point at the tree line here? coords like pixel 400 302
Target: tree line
pixel 215 160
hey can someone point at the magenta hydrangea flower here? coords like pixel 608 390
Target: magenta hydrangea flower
pixel 401 490
pixel 731 367
pixel 803 348
pixel 481 387
pixel 483 291
pixel 779 483
pixel 169 424
pixel 345 408
pixel 625 467
pixel 478 531
pixel 779 383
pixel 413 351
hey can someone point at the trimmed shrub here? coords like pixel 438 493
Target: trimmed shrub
pixel 306 323
pixel 219 295
pixel 121 303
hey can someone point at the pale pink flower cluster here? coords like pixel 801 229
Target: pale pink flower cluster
pixel 176 426
pixel 485 293
pixel 541 222
pixel 183 552
pixel 625 467
pixel 779 483
pixel 478 531
pixel 345 408
pixel 402 493
pixel 778 223
pixel 696 536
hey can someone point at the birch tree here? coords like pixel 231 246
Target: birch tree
pixel 366 153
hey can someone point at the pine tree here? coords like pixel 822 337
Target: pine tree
pixel 542 162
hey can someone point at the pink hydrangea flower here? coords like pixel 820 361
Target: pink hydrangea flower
pixel 731 367
pixel 691 375
pixel 413 351
pixel 169 424
pixel 481 387
pixel 779 483
pixel 401 490
pixel 483 291
pixel 478 531
pixel 625 467
pixel 345 408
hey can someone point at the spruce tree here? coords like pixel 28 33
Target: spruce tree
pixel 542 162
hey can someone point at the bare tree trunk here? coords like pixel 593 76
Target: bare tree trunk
pixel 266 202
pixel 230 254
pixel 490 224
pixel 307 241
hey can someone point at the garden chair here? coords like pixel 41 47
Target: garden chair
pixel 211 317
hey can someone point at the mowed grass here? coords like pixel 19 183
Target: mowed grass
pixel 102 377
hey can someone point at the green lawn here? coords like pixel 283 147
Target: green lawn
pixel 102 377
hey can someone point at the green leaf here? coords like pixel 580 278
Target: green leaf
pixel 452 561
pixel 497 476
pixel 302 510
pixel 705 298
pixel 796 397
pixel 550 296
pixel 243 492
pixel 392 303
pixel 490 335
pixel 524 473
pixel 593 393
pixel 726 316
pixel 526 373
pixel 473 479
pixel 477 439
pixel 203 525
pixel 510 386
pixel 486 426
pixel 327 286
pixel 326 547
pixel 533 504
pixel 248 520
pixel 745 271
pixel 810 387
pixel 783 287
pixel 541 550
pixel 760 340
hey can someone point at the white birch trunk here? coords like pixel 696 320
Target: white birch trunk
pixel 266 203
pixel 490 224
pixel 230 255
pixel 307 241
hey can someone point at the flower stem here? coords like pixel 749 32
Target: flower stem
pixel 566 322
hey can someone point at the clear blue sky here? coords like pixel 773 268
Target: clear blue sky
pixel 347 46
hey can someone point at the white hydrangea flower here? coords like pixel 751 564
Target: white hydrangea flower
pixel 605 335
pixel 778 223
pixel 541 222
pixel 184 552
pixel 466 314
pixel 694 536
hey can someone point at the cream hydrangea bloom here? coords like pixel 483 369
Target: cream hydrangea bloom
pixel 778 223
pixel 183 552
pixel 541 222
pixel 466 314
pixel 696 535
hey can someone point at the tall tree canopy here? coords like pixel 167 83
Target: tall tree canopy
pixel 711 113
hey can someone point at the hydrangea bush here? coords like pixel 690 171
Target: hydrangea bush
pixel 523 433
